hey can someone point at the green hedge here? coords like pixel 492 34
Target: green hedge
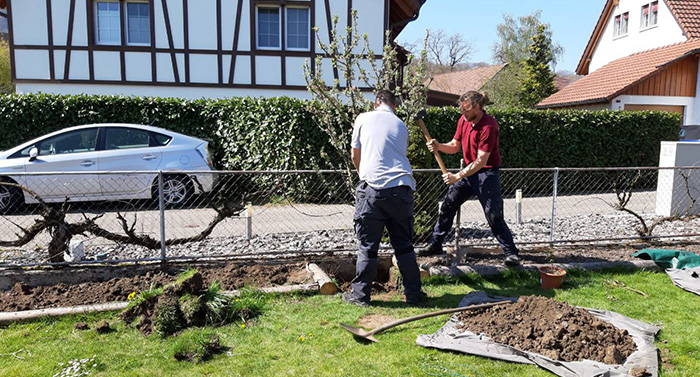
pixel 280 133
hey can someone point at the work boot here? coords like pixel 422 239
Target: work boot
pixel 417 299
pixel 347 297
pixel 431 250
pixel 512 260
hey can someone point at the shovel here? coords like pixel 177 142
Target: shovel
pixel 369 335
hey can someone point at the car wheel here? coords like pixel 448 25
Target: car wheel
pixel 177 190
pixel 10 198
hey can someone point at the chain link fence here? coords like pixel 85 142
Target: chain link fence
pixel 139 216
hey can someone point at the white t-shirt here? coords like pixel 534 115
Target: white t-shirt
pixel 383 140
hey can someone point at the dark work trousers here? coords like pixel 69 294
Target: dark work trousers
pixel 375 209
pixel 486 185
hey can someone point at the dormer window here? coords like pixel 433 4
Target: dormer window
pixel 650 14
pixel 621 23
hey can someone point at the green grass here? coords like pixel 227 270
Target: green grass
pixel 298 335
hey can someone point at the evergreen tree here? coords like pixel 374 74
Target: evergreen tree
pixel 538 78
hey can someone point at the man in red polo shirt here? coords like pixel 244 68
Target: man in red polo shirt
pixel 477 136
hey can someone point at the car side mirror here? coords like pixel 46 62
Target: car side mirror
pixel 33 153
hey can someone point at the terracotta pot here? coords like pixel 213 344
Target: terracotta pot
pixel 551 277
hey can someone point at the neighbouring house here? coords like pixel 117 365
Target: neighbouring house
pixel 445 88
pixel 185 48
pixel 642 55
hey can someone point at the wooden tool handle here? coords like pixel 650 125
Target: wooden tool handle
pixel 433 314
pixel 428 138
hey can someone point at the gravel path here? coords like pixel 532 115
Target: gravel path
pixel 584 227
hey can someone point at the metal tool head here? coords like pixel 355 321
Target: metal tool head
pixel 421 114
pixel 360 333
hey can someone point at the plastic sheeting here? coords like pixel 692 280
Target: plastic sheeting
pixel 683 267
pixel 450 338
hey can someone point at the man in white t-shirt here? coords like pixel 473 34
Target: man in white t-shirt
pixel 384 198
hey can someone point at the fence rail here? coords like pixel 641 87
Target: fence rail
pixel 140 216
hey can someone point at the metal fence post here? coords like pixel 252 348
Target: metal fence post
pixel 249 221
pixel 161 206
pixel 518 206
pixel 555 189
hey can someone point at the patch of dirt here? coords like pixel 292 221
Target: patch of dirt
pixel 551 328
pixel 23 297
pixel 567 253
pixel 374 320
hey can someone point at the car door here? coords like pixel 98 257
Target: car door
pixel 60 155
pixel 127 149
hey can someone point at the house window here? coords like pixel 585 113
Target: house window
pixel 138 23
pixel 137 19
pixel 108 29
pixel 298 29
pixel 621 23
pixel 269 30
pixel 650 14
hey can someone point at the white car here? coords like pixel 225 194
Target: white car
pixel 96 148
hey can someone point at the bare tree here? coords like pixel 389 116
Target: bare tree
pixel 445 52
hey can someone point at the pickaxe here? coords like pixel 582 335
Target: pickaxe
pixel 419 119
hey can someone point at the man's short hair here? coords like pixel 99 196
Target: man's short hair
pixel 474 98
pixel 385 97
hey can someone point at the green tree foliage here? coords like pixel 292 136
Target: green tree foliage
pixel 538 78
pixel 513 48
pixel 6 85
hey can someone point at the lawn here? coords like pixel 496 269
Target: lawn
pixel 299 335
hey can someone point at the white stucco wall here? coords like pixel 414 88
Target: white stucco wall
pixel 162 91
pixel 690 115
pixel 667 31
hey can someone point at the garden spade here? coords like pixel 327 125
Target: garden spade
pixel 369 335
pixel 421 124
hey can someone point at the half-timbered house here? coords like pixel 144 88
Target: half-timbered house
pixel 184 48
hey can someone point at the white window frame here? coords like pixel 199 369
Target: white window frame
pixel 97 24
pixel 617 29
pixel 647 21
pixel 123 37
pixel 126 22
pixel 308 35
pixel 257 28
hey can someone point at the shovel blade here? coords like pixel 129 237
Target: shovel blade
pixel 359 333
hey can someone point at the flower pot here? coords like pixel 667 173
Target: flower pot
pixel 551 277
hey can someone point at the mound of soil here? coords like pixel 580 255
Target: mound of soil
pixel 232 276
pixel 551 328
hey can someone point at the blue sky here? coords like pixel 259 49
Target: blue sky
pixel 572 22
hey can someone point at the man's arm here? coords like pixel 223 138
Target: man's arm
pixel 473 167
pixel 451 147
pixel 355 155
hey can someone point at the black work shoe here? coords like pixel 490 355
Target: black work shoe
pixel 430 250
pixel 512 260
pixel 347 297
pixel 417 299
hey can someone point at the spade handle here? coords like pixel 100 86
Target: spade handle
pixel 433 314
pixel 428 138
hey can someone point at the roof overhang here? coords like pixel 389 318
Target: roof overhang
pixel 401 12
pixel 583 64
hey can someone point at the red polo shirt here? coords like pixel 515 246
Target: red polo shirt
pixel 482 136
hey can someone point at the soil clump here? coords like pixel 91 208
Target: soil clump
pixel 551 328
pixel 232 276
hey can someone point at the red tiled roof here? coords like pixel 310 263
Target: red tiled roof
pixel 617 76
pixel 461 82
pixel 687 12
